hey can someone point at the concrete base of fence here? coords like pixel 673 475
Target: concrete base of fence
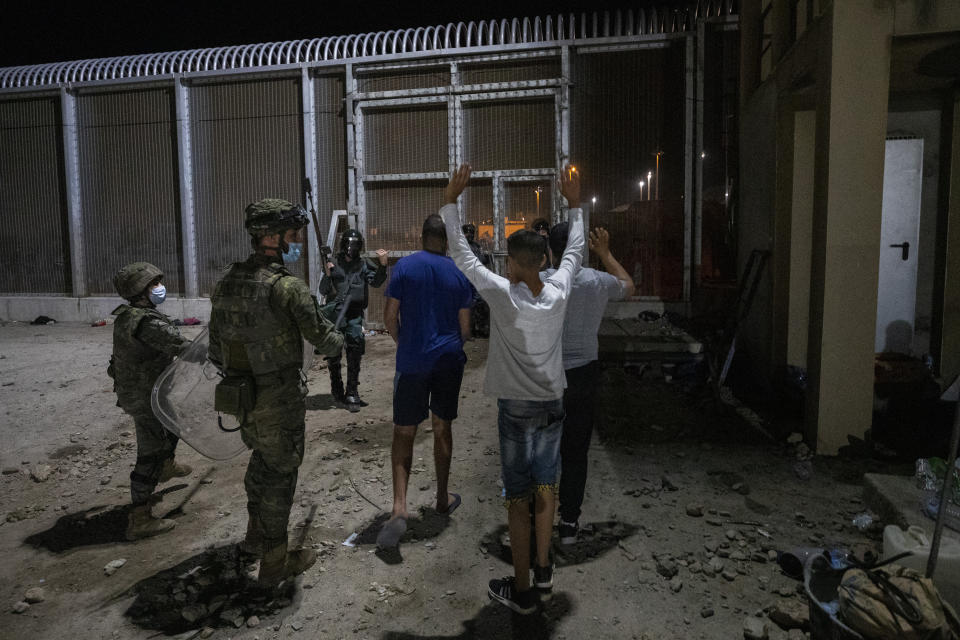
pixel 28 308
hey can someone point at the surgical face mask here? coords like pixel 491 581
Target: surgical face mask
pixel 158 294
pixel 292 254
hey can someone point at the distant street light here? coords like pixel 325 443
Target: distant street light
pixel 658 154
pixel 649 182
pixel 641 189
pixel 593 200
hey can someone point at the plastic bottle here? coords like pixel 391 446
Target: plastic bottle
pixel 916 540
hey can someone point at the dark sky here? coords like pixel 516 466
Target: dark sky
pixel 45 31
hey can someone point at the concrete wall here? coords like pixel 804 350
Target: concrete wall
pixel 824 112
pixel 950 341
pixel 920 16
pixel 801 236
pixel 26 309
pixel 846 225
pixel 758 165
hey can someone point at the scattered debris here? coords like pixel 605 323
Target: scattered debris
pixel 34 595
pixel 112 566
pixel 41 472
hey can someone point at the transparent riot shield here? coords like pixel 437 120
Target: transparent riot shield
pixel 182 400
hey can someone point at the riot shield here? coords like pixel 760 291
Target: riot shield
pixel 182 399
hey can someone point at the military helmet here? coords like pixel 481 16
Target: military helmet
pixel 131 280
pixel 272 215
pixel 351 243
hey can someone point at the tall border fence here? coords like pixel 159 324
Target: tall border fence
pixel 153 157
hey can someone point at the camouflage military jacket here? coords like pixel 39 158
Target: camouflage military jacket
pixel 144 344
pixel 261 314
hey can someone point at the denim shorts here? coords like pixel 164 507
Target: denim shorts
pixel 530 433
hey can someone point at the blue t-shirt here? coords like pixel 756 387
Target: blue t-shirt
pixel 431 291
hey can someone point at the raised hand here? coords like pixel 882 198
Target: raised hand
pixel 382 255
pixel 458 182
pixel 570 186
pixel 599 242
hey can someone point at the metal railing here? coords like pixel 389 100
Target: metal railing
pixel 462 35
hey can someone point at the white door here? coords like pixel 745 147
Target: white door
pixel 899 238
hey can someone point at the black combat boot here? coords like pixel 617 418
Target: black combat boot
pixel 336 379
pixel 353 380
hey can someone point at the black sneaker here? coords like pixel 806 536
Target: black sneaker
pixel 569 531
pixel 543 581
pixel 505 592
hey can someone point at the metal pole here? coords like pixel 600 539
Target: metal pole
pixel 945 494
pixel 689 61
pixel 71 159
pixel 309 128
pixel 188 222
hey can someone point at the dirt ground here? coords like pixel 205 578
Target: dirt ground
pixel 646 567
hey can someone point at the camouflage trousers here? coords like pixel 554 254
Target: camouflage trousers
pixel 274 429
pixel 155 445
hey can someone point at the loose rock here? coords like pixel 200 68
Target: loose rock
pixel 253 621
pixel 755 628
pixel 695 510
pixel 193 612
pixel 111 567
pixel 666 567
pixel 790 614
pixel 41 472
pixel 20 607
pixel 676 584
pixel 34 595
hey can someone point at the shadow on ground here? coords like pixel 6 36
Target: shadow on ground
pixel 596 539
pixel 97 525
pixel 321 401
pixel 425 525
pixel 496 621
pixel 635 407
pixel 210 589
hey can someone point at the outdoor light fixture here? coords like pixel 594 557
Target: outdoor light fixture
pixel 649 182
pixel 641 189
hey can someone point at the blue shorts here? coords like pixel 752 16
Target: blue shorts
pixel 415 395
pixel 530 433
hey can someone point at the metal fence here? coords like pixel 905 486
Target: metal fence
pixel 156 157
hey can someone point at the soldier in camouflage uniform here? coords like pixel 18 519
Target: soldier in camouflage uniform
pixel 259 318
pixel 144 343
pixel 346 284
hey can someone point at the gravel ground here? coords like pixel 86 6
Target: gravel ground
pixel 686 507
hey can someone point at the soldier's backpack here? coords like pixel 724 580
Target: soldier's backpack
pixel 893 602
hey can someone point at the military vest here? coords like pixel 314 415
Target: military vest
pixel 135 364
pixel 254 337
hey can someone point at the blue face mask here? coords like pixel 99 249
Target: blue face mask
pixel 158 294
pixel 292 254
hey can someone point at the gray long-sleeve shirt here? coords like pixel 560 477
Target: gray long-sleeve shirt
pixel 525 358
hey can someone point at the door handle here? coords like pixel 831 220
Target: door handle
pixel 904 247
